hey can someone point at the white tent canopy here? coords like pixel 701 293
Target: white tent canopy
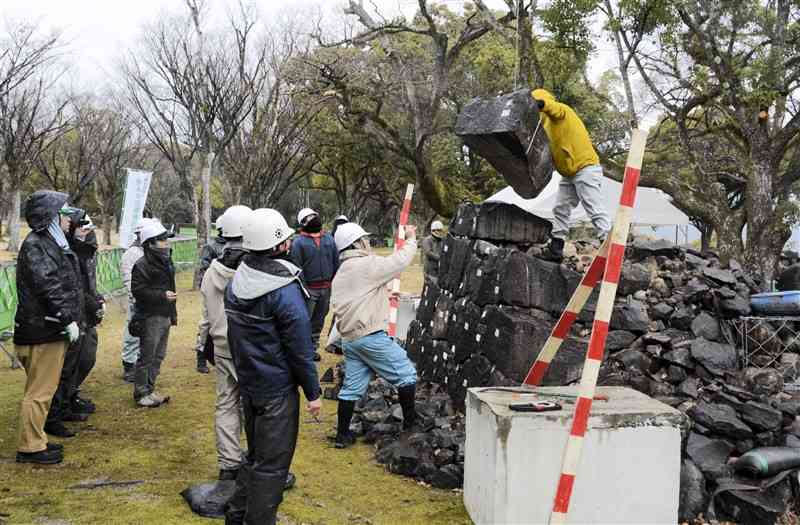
pixel 653 207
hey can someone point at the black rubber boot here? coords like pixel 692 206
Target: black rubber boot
pixel 344 438
pixel 202 365
pixel 407 397
pixel 554 251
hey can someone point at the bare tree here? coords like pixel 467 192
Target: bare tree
pixel 24 53
pixel 192 88
pixel 270 151
pixel 422 82
pixel 28 124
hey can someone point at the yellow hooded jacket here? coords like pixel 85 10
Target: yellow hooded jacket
pixel 570 143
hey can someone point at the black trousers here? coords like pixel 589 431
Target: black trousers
pixel 271 438
pixel 87 359
pixel 60 405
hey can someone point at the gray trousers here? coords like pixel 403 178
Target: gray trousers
pixel 130 344
pixel 583 188
pixel 228 415
pixel 152 351
pixel 318 303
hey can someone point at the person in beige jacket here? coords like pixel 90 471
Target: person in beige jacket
pixel 227 416
pixel 360 300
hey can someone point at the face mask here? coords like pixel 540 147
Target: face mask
pixel 314 225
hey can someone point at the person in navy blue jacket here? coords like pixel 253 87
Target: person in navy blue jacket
pixel 269 335
pixel 315 253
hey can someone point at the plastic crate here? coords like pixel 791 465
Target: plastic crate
pixel 776 303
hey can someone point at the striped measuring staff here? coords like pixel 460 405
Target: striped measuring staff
pixel 610 260
pixel 399 242
pixel 568 316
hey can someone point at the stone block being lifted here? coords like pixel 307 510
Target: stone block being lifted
pixel 500 222
pixel 500 130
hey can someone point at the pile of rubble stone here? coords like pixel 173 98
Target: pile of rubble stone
pixel 433 453
pixel 495 303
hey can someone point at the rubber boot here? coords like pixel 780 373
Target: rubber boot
pixel 407 397
pixel 344 438
pixel 554 251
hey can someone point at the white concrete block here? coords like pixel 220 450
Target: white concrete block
pixel 629 471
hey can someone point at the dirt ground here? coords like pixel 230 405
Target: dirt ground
pixel 167 449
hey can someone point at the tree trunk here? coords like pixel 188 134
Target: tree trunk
pixel 766 233
pixel 107 227
pixel 633 120
pixel 706 232
pixel 207 195
pixel 13 220
pixel 729 237
pixel 204 217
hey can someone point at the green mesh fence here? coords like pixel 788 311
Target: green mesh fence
pixel 8 296
pixel 109 279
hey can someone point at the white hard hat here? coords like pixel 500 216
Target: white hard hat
pixel 263 229
pixel 347 234
pixel 304 213
pixel 139 225
pixel 341 218
pixel 151 229
pixel 437 225
pixel 231 221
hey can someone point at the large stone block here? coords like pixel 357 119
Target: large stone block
pixel 454 258
pixel 499 222
pixel 512 342
pixel 530 282
pixel 500 130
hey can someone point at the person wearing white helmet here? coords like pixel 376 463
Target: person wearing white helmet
pixel 315 253
pixel 130 344
pixel 153 288
pixel 431 251
pixel 269 336
pixel 211 251
pixel 360 302
pixel 214 332
pixel 338 221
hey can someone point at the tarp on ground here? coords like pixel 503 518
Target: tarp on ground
pixel 653 207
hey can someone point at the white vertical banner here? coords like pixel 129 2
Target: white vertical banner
pixel 136 187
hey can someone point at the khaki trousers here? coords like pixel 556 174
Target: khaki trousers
pixel 43 365
pixel 228 415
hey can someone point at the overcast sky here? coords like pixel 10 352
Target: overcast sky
pixel 97 31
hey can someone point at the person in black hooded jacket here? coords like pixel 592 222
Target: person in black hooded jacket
pixel 47 319
pixel 153 287
pixel 83 241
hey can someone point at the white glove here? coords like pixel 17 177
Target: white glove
pixel 101 313
pixel 73 332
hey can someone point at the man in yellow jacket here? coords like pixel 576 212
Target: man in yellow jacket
pixel 576 160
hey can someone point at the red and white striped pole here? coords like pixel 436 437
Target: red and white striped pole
pixel 399 242
pixel 568 317
pixel 602 317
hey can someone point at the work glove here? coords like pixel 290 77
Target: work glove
pixel 72 332
pixel 101 312
pixel 539 103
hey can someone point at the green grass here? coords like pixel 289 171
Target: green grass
pixel 172 447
